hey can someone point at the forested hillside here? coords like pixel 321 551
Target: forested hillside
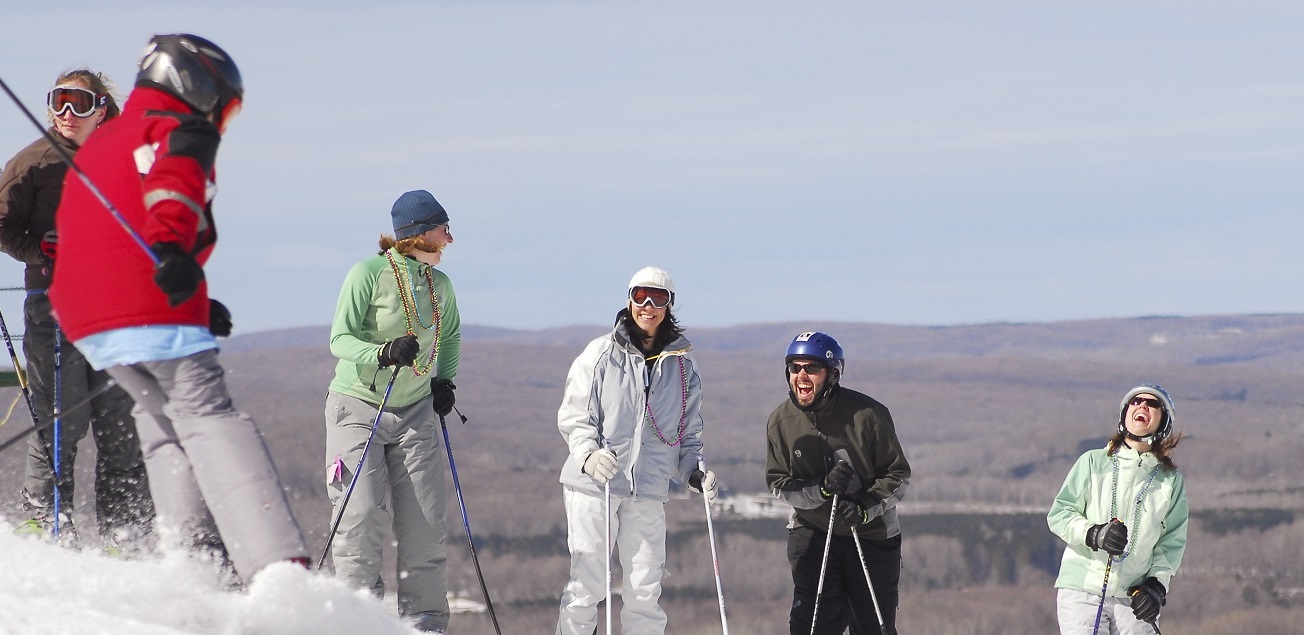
pixel 991 417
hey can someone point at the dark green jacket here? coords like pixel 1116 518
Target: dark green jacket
pixel 802 446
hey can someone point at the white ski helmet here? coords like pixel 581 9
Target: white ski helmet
pixel 1170 413
pixel 655 278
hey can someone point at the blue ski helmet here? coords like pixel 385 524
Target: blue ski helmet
pixel 1170 412
pixel 193 70
pixel 817 346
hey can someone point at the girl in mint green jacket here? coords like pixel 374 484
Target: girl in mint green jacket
pixel 1122 511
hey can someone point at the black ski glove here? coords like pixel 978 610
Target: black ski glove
pixel 441 395
pixel 178 274
pixel 1112 537
pixel 1147 598
pixel 840 481
pixel 219 319
pixel 401 351
pixel 852 514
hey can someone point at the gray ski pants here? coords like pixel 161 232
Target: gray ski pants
pixel 402 480
pixel 208 466
pixel 1076 611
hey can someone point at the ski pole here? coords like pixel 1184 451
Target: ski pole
pixel 1103 590
pixel 466 524
pixel 82 176
pixel 26 390
pixel 39 427
pixel 18 368
pixel 606 487
pixel 380 410
pixel 824 562
pixel 855 535
pixel 715 559
pixel 58 403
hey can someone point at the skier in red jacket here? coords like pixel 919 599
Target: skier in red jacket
pixel 129 292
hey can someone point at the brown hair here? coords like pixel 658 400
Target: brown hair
pixel 404 246
pixel 1162 451
pixel 98 83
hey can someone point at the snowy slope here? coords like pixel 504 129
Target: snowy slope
pixel 46 589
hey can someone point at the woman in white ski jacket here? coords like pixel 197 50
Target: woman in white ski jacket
pixel 1122 510
pixel 631 417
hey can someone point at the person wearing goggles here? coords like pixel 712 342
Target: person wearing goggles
pixel 834 456
pixel 1122 514
pixel 154 329
pixel 631 418
pixel 30 189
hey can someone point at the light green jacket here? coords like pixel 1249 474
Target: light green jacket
pixel 370 313
pixel 1156 530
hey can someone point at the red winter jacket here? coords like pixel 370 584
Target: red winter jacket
pixel 155 164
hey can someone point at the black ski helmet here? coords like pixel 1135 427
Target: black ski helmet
pixel 1170 413
pixel 193 70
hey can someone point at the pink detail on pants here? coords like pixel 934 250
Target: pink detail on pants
pixel 335 473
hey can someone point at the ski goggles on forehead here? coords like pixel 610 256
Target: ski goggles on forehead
pixel 658 298
pixel 83 102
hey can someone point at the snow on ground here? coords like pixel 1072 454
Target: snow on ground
pixel 49 590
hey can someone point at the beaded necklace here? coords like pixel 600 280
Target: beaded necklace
pixel 1136 505
pixel 411 308
pixel 683 409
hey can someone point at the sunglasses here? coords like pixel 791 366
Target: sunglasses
pixel 811 369
pixel 83 102
pixel 1153 403
pixel 658 298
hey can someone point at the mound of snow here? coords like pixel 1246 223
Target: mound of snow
pixel 47 589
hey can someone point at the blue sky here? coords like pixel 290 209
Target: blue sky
pixel 910 163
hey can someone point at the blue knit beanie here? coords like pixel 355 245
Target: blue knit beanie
pixel 416 212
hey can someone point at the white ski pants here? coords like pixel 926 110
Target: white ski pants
pixel 1077 615
pixel 208 466
pixel 401 480
pixel 638 528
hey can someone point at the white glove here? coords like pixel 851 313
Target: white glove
pixel 601 465
pixel 707 486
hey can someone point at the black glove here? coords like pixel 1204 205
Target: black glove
pixel 178 274
pixel 1112 537
pixel 219 319
pixel 441 395
pixel 840 481
pixel 851 513
pixel 1147 598
pixel 401 351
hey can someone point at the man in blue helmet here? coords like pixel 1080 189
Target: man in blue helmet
pixel 829 444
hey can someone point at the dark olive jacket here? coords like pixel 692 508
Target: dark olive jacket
pixel 802 449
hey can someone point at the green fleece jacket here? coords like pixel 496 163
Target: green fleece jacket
pixel 370 313
pixel 1156 524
